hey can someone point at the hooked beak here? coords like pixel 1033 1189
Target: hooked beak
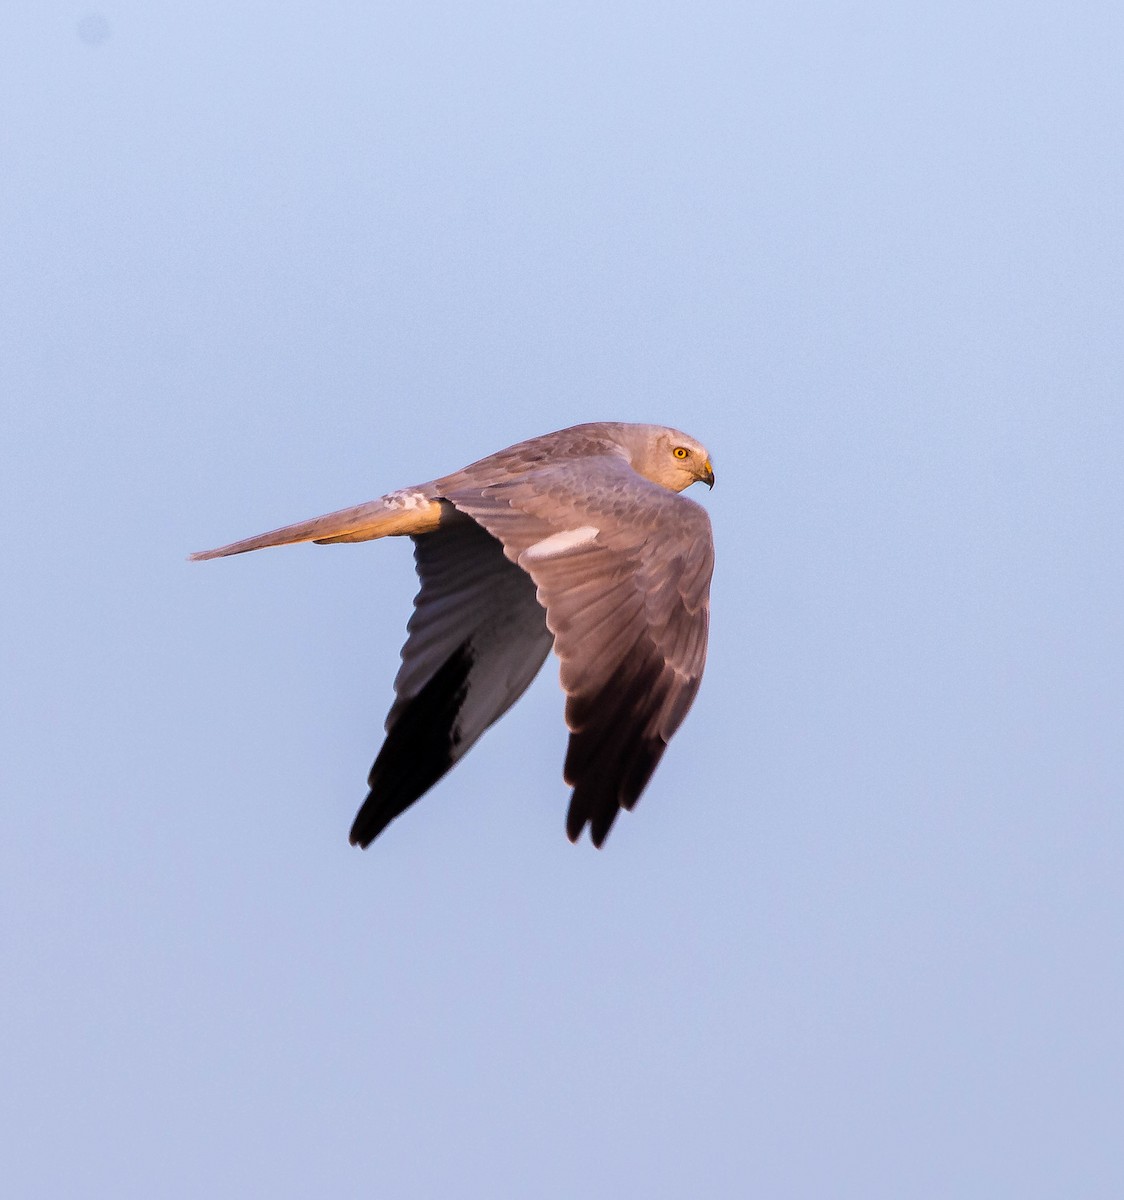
pixel 708 476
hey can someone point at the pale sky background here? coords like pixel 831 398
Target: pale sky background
pixel 864 934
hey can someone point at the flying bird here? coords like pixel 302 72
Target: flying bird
pixel 579 540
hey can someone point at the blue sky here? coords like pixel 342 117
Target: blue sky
pixel 861 936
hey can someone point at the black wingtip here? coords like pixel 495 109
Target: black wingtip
pixel 578 817
pixel 418 749
pixel 360 835
pixel 600 825
pixel 371 819
pixel 575 823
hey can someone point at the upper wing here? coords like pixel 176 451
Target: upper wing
pixel 477 638
pixel 623 568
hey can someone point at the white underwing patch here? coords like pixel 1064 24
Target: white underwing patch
pixel 560 543
pixel 407 500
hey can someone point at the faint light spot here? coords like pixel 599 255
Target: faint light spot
pixel 93 29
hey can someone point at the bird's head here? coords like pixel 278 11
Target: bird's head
pixel 669 457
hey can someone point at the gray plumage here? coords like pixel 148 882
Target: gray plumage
pixel 576 539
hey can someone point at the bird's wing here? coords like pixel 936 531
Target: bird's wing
pixel 622 567
pixel 476 639
pixel 410 511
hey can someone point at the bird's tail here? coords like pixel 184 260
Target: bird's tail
pixel 397 513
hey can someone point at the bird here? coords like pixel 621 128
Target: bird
pixel 577 540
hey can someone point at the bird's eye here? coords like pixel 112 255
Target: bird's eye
pixel 680 452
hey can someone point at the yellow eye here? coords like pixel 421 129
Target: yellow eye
pixel 680 452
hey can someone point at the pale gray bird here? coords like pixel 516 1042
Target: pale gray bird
pixel 577 539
